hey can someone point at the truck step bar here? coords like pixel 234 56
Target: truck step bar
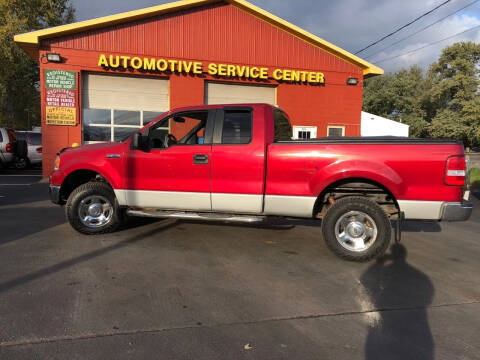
pixel 195 216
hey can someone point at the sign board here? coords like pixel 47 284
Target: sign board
pixel 60 97
pixel 60 79
pixel 56 115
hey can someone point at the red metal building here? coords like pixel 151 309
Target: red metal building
pixel 103 78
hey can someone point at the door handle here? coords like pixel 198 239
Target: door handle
pixel 200 159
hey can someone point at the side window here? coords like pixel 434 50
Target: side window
pixel 186 128
pixel 237 127
pixel 1 136
pixel 283 130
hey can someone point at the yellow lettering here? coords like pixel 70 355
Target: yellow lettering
pixel 125 60
pixel 230 70
pixel 278 74
pixel 148 64
pixel 320 78
pixel 312 77
pixel 212 69
pixel 187 66
pixel 197 67
pixel 287 75
pixel 115 64
pixel 240 70
pixel 295 75
pixel 256 74
pixel 172 64
pixel 264 73
pixel 102 60
pixel 136 63
pixel 222 70
pixel 162 64
pixel 303 76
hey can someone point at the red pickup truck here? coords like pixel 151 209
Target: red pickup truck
pixel 238 163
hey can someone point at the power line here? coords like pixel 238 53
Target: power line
pixel 402 27
pixel 422 29
pixel 425 46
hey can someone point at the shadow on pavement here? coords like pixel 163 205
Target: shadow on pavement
pixel 391 284
pixel 79 259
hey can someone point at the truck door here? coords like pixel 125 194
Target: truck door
pixel 175 171
pixel 238 161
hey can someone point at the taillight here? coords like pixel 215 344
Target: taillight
pixel 9 148
pixel 455 171
pixel 39 150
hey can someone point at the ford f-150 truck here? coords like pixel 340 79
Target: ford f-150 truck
pixel 238 163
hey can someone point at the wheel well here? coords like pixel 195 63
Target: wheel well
pixel 355 187
pixel 77 178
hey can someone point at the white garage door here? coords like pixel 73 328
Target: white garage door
pixel 114 106
pixel 218 93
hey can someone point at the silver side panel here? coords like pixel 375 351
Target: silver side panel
pixel 296 206
pixel 237 203
pixel 165 199
pixel 120 194
pixel 421 210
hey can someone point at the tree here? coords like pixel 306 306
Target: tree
pixel 452 103
pixel 19 75
pixel 397 96
pixel 444 103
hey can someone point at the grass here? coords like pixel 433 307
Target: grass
pixel 475 179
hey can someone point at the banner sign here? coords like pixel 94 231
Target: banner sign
pixel 214 69
pixel 60 97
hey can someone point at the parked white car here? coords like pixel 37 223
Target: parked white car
pixel 34 149
pixel 8 141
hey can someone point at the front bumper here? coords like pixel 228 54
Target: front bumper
pixel 457 211
pixel 54 192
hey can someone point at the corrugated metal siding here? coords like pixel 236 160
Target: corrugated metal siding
pixel 211 33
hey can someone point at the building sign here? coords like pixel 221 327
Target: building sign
pixel 214 69
pixel 60 79
pixel 60 97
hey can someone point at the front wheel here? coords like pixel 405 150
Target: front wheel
pixel 92 208
pixel 356 229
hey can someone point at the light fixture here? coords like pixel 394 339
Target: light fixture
pixel 54 57
pixel 352 81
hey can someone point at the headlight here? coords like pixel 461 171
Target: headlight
pixel 56 164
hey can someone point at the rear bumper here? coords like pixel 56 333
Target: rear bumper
pixel 456 211
pixel 54 192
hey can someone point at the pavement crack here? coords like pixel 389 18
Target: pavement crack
pixel 37 341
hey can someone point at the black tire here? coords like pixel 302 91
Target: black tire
pixel 349 208
pixel 21 163
pixel 85 192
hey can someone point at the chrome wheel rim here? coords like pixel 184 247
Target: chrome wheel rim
pixel 95 211
pixel 356 231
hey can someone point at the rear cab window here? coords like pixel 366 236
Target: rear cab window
pixel 237 127
pixel 283 129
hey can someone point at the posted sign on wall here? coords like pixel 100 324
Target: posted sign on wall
pixel 60 97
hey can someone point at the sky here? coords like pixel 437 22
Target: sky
pixel 353 24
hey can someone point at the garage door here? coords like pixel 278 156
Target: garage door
pixel 217 93
pixel 116 106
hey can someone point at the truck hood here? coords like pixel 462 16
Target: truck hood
pixel 95 147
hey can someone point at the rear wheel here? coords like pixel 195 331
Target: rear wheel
pixel 21 163
pixel 356 229
pixel 92 208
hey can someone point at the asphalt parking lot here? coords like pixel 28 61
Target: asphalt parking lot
pixel 180 290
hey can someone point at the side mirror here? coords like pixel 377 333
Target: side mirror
pixel 139 142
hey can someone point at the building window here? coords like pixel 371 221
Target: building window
pixel 304 132
pixel 336 131
pixel 103 125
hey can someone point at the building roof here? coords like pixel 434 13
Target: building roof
pixel 30 42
